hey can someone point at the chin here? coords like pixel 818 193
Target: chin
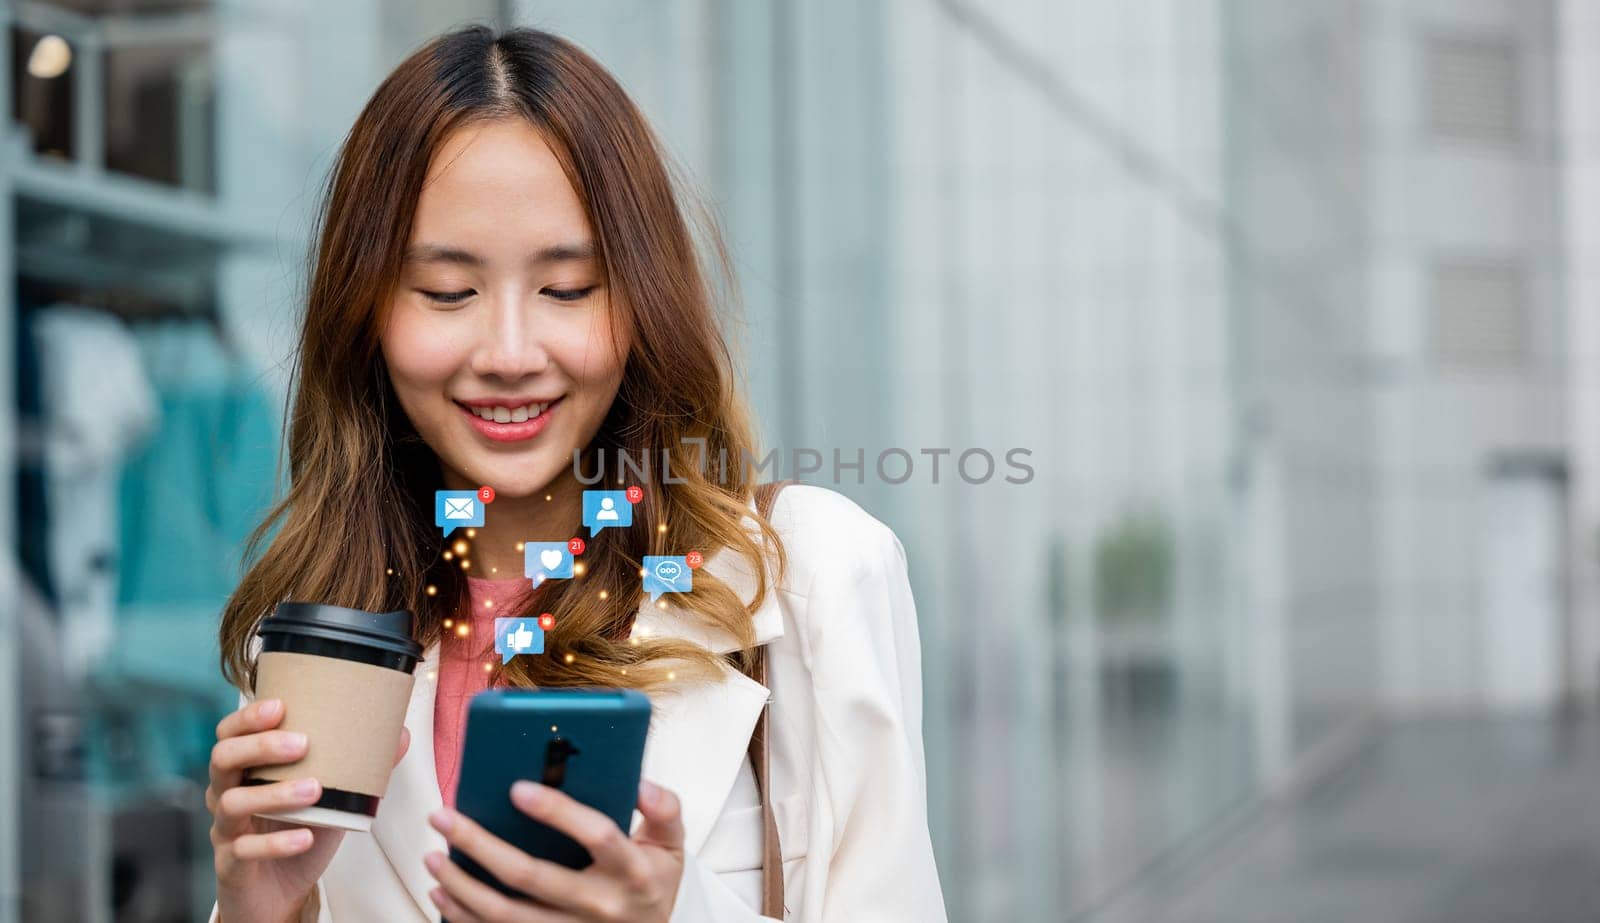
pixel 513 478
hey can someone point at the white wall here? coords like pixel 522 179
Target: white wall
pixel 1578 31
pixel 1439 426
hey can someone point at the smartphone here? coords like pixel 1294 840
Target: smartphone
pixel 587 742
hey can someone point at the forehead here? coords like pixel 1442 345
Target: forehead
pixel 497 187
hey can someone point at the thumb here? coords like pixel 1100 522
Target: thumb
pixel 663 817
pixel 405 744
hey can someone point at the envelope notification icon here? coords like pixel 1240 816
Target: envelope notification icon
pixel 453 509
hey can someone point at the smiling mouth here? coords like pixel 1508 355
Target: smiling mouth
pixel 506 423
pixel 507 414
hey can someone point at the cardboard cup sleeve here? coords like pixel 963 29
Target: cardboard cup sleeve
pixel 350 712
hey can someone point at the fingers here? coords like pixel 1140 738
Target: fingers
pixel 251 717
pixel 450 909
pixel 405 744
pixel 474 900
pixel 236 805
pixel 596 832
pixel 232 756
pixel 275 845
pixel 538 878
pixel 245 739
pixel 247 719
pixel 663 817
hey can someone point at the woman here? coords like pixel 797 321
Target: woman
pixel 504 292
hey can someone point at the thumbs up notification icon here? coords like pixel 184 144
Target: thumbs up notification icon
pixel 517 636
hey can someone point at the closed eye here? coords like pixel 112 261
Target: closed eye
pixel 568 294
pixel 559 294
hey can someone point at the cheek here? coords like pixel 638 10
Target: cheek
pixel 592 358
pixel 420 359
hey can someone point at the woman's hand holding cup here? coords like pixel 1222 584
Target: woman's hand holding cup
pixel 265 868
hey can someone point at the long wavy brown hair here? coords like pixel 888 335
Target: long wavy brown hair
pixel 354 527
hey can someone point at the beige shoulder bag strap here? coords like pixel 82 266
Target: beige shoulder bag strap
pixel 771 852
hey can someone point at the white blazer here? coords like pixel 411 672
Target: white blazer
pixel 847 768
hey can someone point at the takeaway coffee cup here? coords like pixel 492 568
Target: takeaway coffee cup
pixel 344 677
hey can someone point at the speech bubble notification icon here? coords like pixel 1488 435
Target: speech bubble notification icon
pixel 517 636
pixel 666 573
pixel 454 509
pixel 603 508
pixel 542 561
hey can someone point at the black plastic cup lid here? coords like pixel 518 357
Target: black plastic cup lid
pixel 384 631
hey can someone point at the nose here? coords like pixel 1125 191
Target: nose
pixel 509 345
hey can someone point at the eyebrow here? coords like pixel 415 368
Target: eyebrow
pixel 574 251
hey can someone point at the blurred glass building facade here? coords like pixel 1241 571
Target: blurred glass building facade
pixel 1283 303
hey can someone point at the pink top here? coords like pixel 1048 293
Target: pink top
pixel 461 672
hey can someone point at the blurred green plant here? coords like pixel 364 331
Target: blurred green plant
pixel 1133 569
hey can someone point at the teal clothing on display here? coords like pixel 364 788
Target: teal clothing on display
pixel 189 498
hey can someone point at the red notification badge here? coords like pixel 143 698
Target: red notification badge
pixel 546 621
pixel 486 494
pixel 694 559
pixel 635 493
pixel 575 546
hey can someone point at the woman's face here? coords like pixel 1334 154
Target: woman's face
pixel 499 337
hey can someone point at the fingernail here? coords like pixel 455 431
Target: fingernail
pixel 305 788
pixel 649 792
pixel 302 837
pixel 441 820
pixel 269 708
pixel 527 791
pixel 294 741
pixel 433 860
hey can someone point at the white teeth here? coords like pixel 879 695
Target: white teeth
pixel 510 414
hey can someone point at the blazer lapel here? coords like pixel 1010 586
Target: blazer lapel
pixel 401 827
pixel 698 737
pixel 699 734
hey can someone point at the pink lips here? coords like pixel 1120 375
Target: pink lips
pixel 511 432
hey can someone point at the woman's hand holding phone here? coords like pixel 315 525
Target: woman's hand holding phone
pixel 631 879
pixel 265 868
